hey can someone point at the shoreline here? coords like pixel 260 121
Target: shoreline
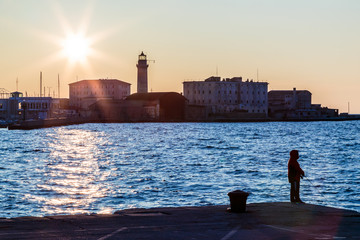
pixel 271 220
pixel 37 124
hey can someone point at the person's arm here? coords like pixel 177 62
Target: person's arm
pixel 302 173
pixel 298 169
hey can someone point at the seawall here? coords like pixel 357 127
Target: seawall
pixel 35 124
pixel 279 220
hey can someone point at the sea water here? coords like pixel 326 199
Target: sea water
pixel 101 168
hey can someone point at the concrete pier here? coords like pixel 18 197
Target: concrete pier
pixel 260 221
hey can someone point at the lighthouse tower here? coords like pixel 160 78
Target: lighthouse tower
pixel 142 81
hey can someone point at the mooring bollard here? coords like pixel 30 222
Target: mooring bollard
pixel 238 201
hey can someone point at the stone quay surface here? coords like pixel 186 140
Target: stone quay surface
pixel 280 220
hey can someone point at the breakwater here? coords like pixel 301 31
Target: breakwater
pixel 47 123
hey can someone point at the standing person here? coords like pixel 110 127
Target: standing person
pixel 294 174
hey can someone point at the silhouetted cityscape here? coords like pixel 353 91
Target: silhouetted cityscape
pixel 213 99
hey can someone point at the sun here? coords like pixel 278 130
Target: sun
pixel 76 47
pixel 76 44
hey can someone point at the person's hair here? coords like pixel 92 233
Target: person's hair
pixel 294 153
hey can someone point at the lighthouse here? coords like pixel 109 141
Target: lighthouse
pixel 142 81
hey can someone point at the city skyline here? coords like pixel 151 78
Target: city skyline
pixel 307 45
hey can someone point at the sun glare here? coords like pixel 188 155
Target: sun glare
pixel 75 45
pixel 76 48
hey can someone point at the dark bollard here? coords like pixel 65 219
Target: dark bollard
pixel 238 201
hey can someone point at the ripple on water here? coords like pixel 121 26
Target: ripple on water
pixel 106 167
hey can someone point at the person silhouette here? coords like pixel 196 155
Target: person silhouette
pixel 294 174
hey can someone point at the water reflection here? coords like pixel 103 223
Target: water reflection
pixel 106 167
pixel 72 180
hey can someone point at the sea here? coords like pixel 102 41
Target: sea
pixel 102 168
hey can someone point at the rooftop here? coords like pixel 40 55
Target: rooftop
pixel 99 81
pixel 151 96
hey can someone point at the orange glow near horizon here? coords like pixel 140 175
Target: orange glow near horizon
pixel 98 40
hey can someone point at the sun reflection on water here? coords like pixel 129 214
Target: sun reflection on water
pixel 100 168
pixel 72 179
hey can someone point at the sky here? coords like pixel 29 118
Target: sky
pixel 308 45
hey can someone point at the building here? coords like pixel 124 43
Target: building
pixel 296 104
pixel 86 92
pixel 142 76
pixel 288 99
pixel 60 108
pixel 230 95
pixel 4 99
pixel 155 106
pixel 17 107
pixel 159 106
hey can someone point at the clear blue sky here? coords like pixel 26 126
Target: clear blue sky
pixel 311 45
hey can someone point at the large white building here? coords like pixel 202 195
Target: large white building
pixel 228 95
pixel 86 92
